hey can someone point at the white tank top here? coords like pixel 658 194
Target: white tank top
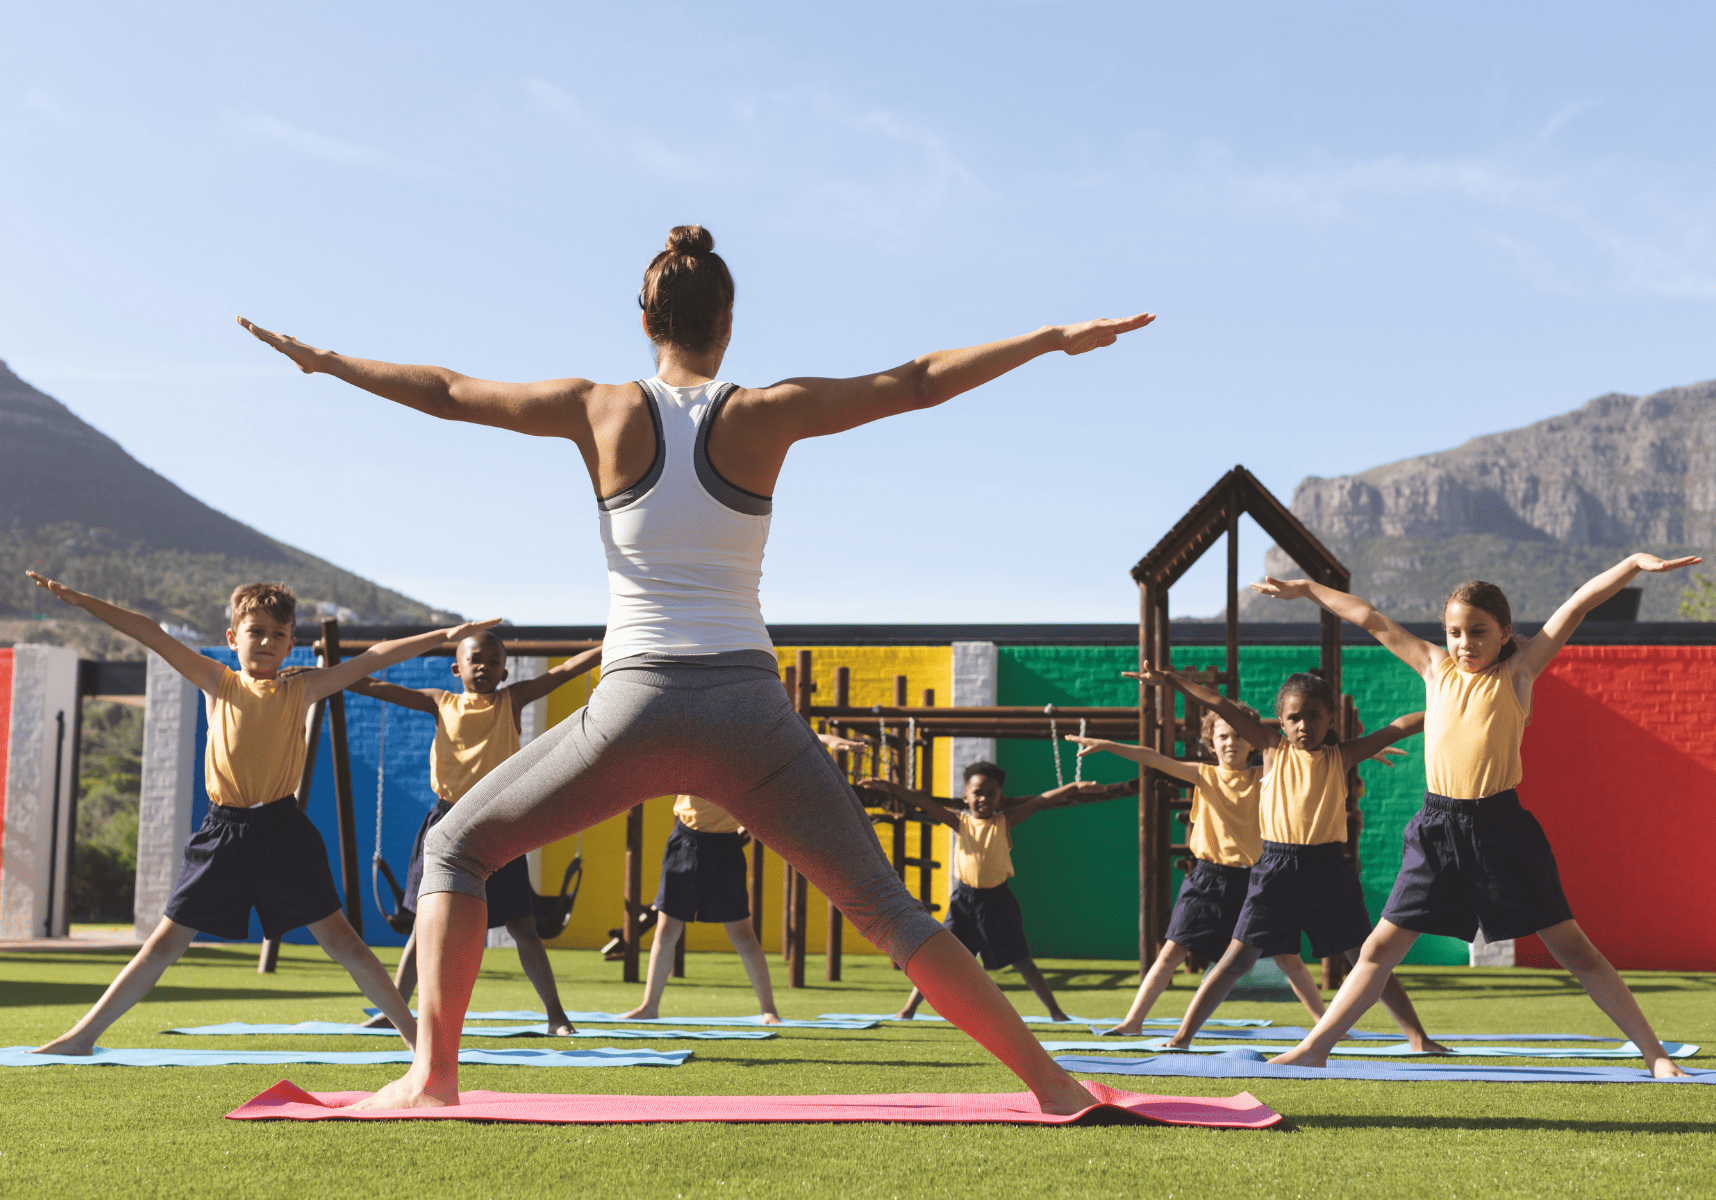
pixel 685 546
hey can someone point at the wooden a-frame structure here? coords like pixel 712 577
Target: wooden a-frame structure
pixel 1214 516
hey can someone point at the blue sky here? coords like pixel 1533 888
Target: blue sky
pixel 1370 231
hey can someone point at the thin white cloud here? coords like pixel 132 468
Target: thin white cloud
pixel 329 148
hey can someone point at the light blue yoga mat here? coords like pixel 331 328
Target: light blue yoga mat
pixel 598 1018
pixel 334 1028
pixel 1036 1019
pixel 1298 1031
pixel 1246 1063
pixel 1392 1050
pixel 20 1056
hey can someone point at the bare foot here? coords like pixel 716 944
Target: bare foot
pixel 643 1012
pixel 1426 1046
pixel 379 1021
pixel 770 1018
pixel 1059 1017
pixel 1666 1068
pixel 1122 1031
pixel 1066 1099
pixel 408 1093
pixel 905 1014
pixel 1298 1056
pixel 68 1043
pixel 1177 1043
pixel 560 1025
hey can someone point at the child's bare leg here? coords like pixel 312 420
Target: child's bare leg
pixel 343 944
pixel 1156 981
pixel 910 1008
pixel 533 957
pixel 750 951
pixel 1381 953
pixel 1573 950
pixel 1033 977
pixel 1399 1006
pixel 667 931
pixel 956 984
pixel 166 945
pixel 404 978
pixel 1303 985
pixel 451 926
pixel 1239 959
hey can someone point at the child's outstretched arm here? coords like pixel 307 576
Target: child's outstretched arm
pixel 1538 652
pixel 1361 748
pixel 203 672
pixel 527 691
pixel 1143 755
pixel 1244 724
pixel 325 681
pixel 922 801
pixel 1415 652
pixel 419 699
pixel 1066 796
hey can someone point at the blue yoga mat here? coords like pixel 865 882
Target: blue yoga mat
pixel 598 1018
pixel 1278 1032
pixel 1246 1063
pixel 1396 1049
pixel 1040 1019
pixel 334 1028
pixel 20 1056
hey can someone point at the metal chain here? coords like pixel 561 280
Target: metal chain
pixel 1078 760
pixel 912 752
pixel 1055 744
pixel 380 767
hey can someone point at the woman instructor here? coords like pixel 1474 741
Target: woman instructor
pixel 690 700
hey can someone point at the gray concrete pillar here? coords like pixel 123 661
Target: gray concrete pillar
pixel 168 789
pixel 35 842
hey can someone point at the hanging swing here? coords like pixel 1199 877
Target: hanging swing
pixel 401 919
pixel 1055 747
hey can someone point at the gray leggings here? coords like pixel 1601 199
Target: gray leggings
pixel 717 726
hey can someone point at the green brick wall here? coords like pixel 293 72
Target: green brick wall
pixel 1078 868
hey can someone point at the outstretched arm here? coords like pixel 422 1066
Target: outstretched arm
pixel 203 672
pixel 1361 748
pixel 1247 726
pixel 1415 652
pixel 1538 652
pixel 325 681
pixel 922 801
pixel 1143 755
pixel 528 690
pixel 1066 796
pixel 417 699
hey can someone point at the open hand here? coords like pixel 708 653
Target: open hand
pixel 835 742
pixel 1650 562
pixel 1093 335
pixel 1386 753
pixel 459 633
pixel 1089 745
pixel 1147 674
pixel 1283 589
pixel 60 591
pixel 303 355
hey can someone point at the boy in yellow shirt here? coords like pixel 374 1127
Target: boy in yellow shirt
pixel 476 731
pixel 255 849
pixel 982 911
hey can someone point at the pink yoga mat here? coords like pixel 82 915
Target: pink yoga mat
pixel 288 1101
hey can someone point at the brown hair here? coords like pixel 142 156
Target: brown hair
pixel 687 291
pixel 1206 729
pixel 1311 686
pixel 275 599
pixel 1486 598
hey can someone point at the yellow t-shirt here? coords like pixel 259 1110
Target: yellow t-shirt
pixel 984 858
pixel 1473 724
pixel 474 734
pixel 705 816
pixel 1225 821
pixel 1304 799
pixel 256 739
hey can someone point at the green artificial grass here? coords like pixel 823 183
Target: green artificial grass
pixel 147 1132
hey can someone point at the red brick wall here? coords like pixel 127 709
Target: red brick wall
pixel 1620 767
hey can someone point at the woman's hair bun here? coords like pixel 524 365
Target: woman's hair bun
pixel 690 239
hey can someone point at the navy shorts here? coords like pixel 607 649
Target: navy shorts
pixel 1477 864
pixel 1208 908
pixel 510 895
pixel 987 921
pixel 1296 888
pixel 703 877
pixel 270 858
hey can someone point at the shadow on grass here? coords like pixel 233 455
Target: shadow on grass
pixel 1537 984
pixel 23 994
pixel 1500 1124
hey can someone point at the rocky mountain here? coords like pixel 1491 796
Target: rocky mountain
pixel 1537 510
pixel 75 505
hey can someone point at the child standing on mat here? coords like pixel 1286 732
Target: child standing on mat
pixel 1474 858
pixel 982 911
pixel 1225 840
pixel 475 731
pixel 255 849
pixel 1303 881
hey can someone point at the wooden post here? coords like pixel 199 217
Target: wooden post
pixel 1234 504
pixel 789 680
pixel 344 809
pixel 633 892
pixel 795 899
pixel 836 923
pixel 800 910
pixel 757 855
pixel 270 955
pixel 926 830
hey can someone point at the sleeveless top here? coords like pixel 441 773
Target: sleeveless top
pixel 984 857
pixel 474 734
pixel 256 740
pixel 1473 724
pixel 1305 796
pixel 684 546
pixel 1225 819
pixel 704 816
